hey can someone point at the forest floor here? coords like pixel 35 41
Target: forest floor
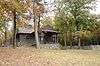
pixel 28 56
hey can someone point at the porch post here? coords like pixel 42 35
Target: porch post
pixel 42 38
pixel 57 38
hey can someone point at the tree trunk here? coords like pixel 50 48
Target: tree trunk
pixel 36 19
pixel 5 34
pixel 14 30
pixel 79 42
pixel 70 39
pixel 39 29
pixel 65 40
pixel 39 24
pixel 0 42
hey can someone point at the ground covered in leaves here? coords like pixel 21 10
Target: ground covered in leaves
pixel 28 56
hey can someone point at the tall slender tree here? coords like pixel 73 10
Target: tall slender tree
pixel 38 10
pixel 15 6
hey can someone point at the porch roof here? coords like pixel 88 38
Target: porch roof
pixel 30 29
pixel 25 30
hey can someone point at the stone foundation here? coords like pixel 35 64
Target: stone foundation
pixel 50 46
pixel 95 47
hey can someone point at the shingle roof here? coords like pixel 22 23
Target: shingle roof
pixel 48 29
pixel 30 29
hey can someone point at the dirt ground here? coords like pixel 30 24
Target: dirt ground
pixel 28 56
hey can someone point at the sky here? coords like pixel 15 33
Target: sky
pixel 96 11
pixel 49 8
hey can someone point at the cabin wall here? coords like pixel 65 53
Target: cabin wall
pixel 28 39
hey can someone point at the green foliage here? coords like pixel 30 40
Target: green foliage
pixel 7 10
pixel 2 24
pixel 74 19
pixel 10 5
pixel 47 22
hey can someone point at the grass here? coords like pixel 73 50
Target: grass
pixel 28 56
